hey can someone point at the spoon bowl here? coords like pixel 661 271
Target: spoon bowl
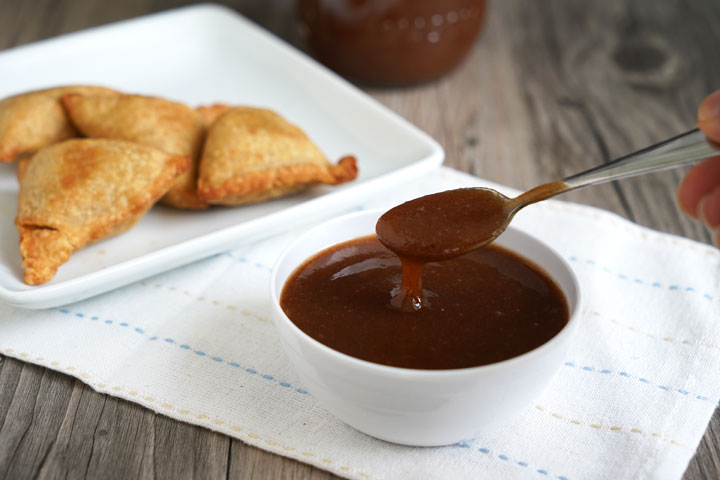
pixel 446 224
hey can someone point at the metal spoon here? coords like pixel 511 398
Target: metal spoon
pixel 447 224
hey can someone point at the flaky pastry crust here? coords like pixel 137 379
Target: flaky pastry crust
pixel 79 191
pixel 254 154
pixel 210 113
pixel 34 120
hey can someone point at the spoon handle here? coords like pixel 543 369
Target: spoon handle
pixel 685 148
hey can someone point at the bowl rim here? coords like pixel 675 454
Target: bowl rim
pixel 390 370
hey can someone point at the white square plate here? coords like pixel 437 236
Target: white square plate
pixel 202 55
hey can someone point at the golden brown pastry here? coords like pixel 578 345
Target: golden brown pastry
pixel 169 126
pixel 33 120
pixel 210 113
pixel 80 191
pixel 253 154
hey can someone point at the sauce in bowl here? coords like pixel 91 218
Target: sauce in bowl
pixel 478 308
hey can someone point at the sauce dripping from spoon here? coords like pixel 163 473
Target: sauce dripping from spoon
pixel 444 225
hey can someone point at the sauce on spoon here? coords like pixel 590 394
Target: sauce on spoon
pixel 447 224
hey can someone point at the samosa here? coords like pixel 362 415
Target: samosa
pixel 254 154
pixel 79 191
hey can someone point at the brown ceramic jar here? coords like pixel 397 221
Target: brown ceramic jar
pixel 391 42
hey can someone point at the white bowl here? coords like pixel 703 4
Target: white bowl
pixel 419 407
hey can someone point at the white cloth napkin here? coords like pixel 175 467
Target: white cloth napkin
pixel 632 399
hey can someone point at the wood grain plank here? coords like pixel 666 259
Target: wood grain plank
pixel 32 421
pixel 248 463
pixel 551 88
pixel 123 442
pixel 72 448
pixel 186 451
pixel 601 107
pixel 9 378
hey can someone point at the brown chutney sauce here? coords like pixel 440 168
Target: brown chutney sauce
pixel 482 307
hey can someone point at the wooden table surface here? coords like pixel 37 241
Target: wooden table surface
pixel 550 89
